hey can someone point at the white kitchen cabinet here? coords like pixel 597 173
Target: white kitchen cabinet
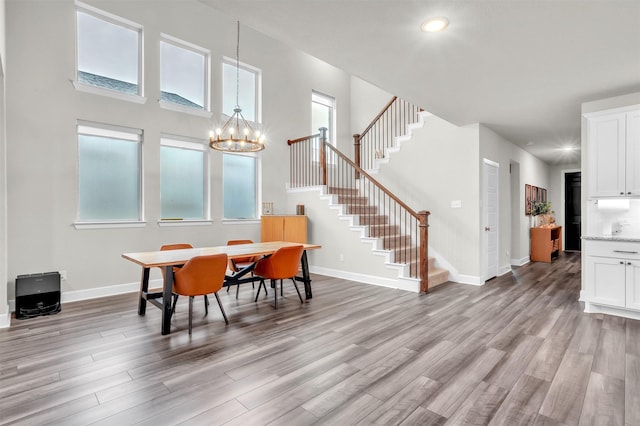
pixel 612 274
pixel 633 284
pixel 606 281
pixel 613 142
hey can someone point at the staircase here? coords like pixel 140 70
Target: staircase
pixel 388 238
pixel 396 230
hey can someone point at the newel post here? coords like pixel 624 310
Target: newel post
pixel 356 152
pixel 323 155
pixel 423 217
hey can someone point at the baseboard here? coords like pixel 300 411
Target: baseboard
pixel 467 279
pixel 5 319
pixel 505 269
pixel 520 262
pixel 591 308
pixel 367 279
pixel 95 293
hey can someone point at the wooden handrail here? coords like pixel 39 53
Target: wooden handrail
pixel 302 139
pixel 375 182
pixel 378 116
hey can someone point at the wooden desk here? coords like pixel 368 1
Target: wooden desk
pixel 169 258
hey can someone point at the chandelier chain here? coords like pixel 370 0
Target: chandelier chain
pixel 238 67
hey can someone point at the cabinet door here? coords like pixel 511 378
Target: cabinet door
pixel 633 154
pixel 605 281
pixel 295 229
pixel 633 284
pixel 272 228
pixel 607 155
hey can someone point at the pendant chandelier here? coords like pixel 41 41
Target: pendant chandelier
pixel 237 135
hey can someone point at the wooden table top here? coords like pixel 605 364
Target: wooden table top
pixel 178 257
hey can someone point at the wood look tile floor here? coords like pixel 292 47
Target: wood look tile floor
pixel 518 350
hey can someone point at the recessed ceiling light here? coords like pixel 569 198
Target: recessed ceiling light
pixel 434 25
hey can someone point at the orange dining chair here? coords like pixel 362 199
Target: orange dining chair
pixel 180 246
pixel 201 275
pixel 239 263
pixel 280 265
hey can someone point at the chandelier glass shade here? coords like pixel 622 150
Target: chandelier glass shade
pixel 237 135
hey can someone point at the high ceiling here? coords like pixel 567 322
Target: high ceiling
pixel 520 67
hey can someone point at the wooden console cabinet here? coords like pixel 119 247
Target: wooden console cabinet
pixel 284 228
pixel 546 244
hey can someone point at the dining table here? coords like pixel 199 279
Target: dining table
pixel 168 259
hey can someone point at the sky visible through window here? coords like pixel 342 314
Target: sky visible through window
pixel 182 72
pixel 107 49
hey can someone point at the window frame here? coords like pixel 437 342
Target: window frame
pixel 176 42
pixel 185 142
pixel 122 22
pixel 328 101
pixel 258 185
pixel 258 86
pixel 110 130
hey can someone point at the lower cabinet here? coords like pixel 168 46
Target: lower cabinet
pixel 612 274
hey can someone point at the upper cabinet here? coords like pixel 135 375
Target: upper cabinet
pixel 613 141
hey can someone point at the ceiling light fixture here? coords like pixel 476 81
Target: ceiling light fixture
pixel 434 25
pixel 237 135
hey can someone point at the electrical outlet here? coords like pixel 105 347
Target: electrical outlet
pixel 63 275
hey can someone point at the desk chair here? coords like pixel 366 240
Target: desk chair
pixel 237 264
pixel 280 265
pixel 201 275
pixel 180 246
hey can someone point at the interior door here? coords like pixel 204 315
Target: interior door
pixel 490 192
pixel 572 216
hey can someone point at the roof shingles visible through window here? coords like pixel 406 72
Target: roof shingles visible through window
pixel 130 88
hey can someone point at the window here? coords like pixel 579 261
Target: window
pixel 249 90
pixel 109 51
pixel 240 186
pixel 184 177
pixel 183 73
pixel 323 114
pixel 109 173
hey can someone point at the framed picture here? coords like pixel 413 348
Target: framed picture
pixel 532 195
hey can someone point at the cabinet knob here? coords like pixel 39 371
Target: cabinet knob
pixel 628 263
pixel 486 228
pixel 629 192
pixel 621 262
pixel 622 193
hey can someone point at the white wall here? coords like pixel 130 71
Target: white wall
pixel 367 101
pixel 533 171
pixel 4 308
pixel 42 109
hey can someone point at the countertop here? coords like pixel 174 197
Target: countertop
pixel 612 238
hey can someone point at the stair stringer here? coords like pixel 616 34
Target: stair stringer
pixel 377 244
pixel 401 280
pixel 398 141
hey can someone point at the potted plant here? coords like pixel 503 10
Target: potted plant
pixel 542 209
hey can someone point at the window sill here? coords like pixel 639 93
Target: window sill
pixel 184 222
pixel 106 225
pixel 87 88
pixel 241 221
pixel 179 108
